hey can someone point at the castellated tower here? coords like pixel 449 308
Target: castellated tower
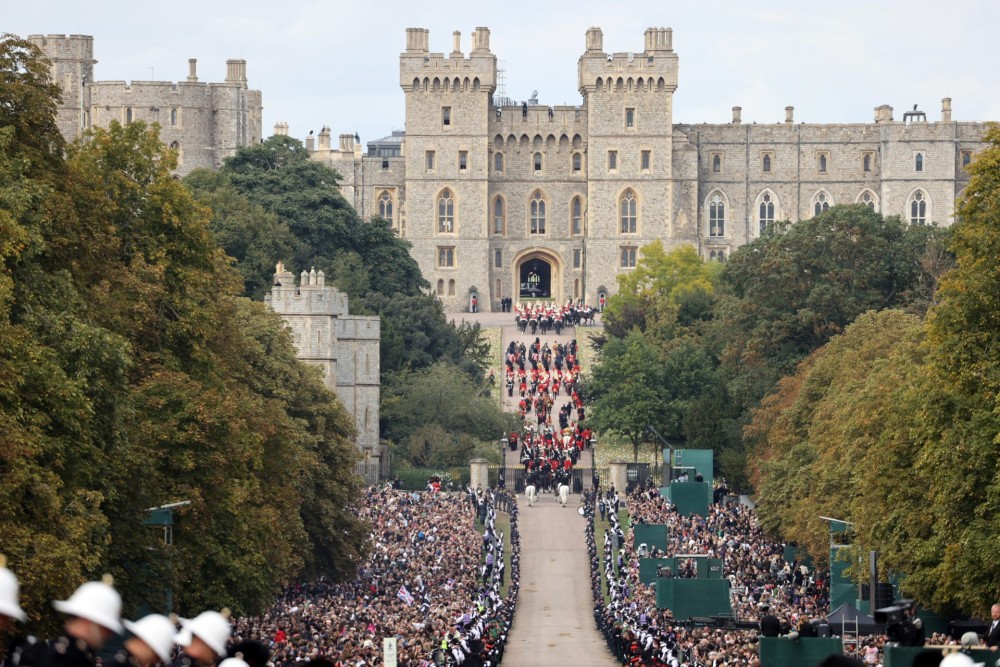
pixel 344 346
pixel 629 102
pixel 448 102
pixel 73 63
pixel 202 122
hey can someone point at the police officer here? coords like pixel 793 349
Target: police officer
pixel 94 617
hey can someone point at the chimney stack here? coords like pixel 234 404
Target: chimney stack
pixel 236 71
pixel 595 40
pixel 481 40
pixel 789 114
pixel 457 48
pixel 192 69
pixel 417 40
pixel 737 115
pixel 946 110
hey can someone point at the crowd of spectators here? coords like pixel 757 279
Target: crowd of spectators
pixel 433 581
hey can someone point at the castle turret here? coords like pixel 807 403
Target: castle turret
pixel 448 108
pixel 72 70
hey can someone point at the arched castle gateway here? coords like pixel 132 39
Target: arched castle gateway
pixel 525 200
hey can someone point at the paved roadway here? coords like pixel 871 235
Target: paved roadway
pixel 554 623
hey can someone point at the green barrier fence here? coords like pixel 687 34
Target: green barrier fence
pixel 804 652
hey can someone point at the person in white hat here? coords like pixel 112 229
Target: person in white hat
pixel 151 641
pixel 94 612
pixel 10 597
pixel 203 639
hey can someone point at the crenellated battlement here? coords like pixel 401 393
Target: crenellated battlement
pixel 423 71
pixel 653 70
pixel 515 119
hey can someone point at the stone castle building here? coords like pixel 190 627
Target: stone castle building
pixel 501 199
pixel 203 122
pixel 344 346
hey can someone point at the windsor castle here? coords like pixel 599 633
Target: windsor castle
pixel 522 200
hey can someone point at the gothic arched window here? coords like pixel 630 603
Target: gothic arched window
pixel 537 206
pixel 576 217
pixel 446 213
pixel 821 202
pixel 716 216
pixel 385 205
pixel 628 212
pixel 766 211
pixel 918 208
pixel 499 217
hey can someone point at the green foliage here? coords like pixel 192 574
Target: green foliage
pixel 295 213
pixel 131 375
pixel 664 294
pixel 440 417
pixel 627 390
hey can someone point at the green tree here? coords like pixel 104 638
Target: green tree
pixel 627 390
pixel 440 416
pixel 666 291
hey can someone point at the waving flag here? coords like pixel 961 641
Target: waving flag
pixel 404 595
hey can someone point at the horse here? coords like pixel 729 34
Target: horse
pixel 587 316
pixel 530 493
pixel 522 323
pixel 558 325
pixel 544 323
pixel 563 494
pixel 533 323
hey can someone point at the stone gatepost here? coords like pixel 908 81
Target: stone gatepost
pixel 479 476
pixel 618 474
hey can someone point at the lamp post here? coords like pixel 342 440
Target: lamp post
pixel 502 472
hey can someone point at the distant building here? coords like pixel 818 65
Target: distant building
pixel 203 122
pixel 345 346
pixel 490 191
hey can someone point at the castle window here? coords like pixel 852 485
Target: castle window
pixel 463 160
pixel 966 158
pixel 537 209
pixel 499 217
pixel 918 162
pixel 716 163
pixel 446 116
pixel 538 161
pixel 498 163
pixel 629 117
pixel 628 255
pixel 440 287
pixel 577 258
pixel 716 216
pixel 645 160
pixel 766 211
pixel 867 198
pixel 429 160
pixel 385 164
pixel 717 256
pixel 128 115
pixel 451 287
pixel 822 162
pixel 766 163
pixel 628 212
pixel 612 160
pixel 173 116
pixel 385 205
pixel 821 202
pixel 576 218
pixel 446 257
pixel 498 259
pixel 866 162
pixel 918 208
pixel 577 162
pixel 446 213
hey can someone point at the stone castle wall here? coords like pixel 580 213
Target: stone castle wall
pixel 203 122
pixel 627 109
pixel 344 346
